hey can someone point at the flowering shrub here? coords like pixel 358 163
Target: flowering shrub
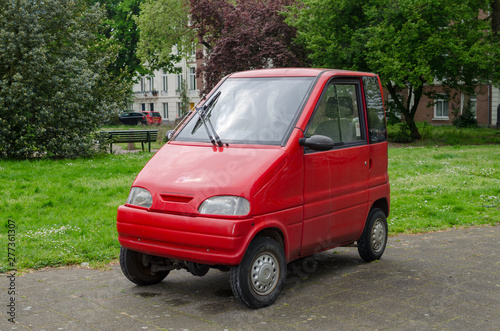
pixel 55 90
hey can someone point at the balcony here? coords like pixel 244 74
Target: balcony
pixel 146 94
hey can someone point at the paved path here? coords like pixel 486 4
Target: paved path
pixel 440 281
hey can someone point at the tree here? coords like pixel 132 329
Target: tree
pixel 121 29
pixel 409 43
pixel 164 24
pixel 183 94
pixel 494 9
pixel 55 90
pixel 495 18
pixel 242 35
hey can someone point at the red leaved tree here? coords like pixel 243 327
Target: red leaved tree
pixel 242 35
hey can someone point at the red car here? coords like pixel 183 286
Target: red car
pixel 152 117
pixel 274 165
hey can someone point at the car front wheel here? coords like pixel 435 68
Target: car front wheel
pixel 258 280
pixel 137 268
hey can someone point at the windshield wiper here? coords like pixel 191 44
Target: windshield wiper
pixel 203 113
pixel 217 138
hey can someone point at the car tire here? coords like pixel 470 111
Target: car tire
pixel 373 241
pixel 258 280
pixel 136 268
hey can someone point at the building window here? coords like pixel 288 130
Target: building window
pixel 143 107
pixel 469 102
pixel 192 78
pixel 180 81
pixel 143 84
pixel 179 109
pixel 165 110
pixel 165 81
pixel 151 107
pixel 151 83
pixel 441 108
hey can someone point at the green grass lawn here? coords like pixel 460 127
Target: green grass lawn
pixel 437 188
pixel 65 210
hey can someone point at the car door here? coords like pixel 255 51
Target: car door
pixel 336 181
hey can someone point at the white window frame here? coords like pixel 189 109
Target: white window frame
pixel 441 100
pixel 180 80
pixel 165 110
pixel 143 84
pixel 473 99
pixel 151 83
pixel 192 78
pixel 179 109
pixel 165 81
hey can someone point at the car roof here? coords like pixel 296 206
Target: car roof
pixel 295 72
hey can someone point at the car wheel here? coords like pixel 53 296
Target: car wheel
pixel 372 243
pixel 137 269
pixel 258 280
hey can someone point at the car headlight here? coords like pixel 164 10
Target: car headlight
pixel 140 197
pixel 225 205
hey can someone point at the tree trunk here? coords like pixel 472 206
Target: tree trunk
pixel 415 134
pixel 407 111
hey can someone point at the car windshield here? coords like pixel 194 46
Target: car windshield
pixel 251 111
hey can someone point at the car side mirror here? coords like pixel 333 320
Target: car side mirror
pixel 317 142
pixel 169 134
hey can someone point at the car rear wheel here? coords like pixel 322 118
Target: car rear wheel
pixel 137 268
pixel 258 280
pixel 372 243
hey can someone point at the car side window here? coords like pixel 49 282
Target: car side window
pixel 337 114
pixel 375 110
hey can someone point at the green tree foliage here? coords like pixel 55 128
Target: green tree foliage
pixel 164 24
pixel 495 18
pixel 122 30
pixel 55 89
pixel 242 35
pixel 494 11
pixel 409 43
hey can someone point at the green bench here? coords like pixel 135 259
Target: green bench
pixel 132 136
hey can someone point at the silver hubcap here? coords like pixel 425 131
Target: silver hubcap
pixel 264 274
pixel 378 236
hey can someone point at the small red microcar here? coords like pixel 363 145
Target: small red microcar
pixel 272 166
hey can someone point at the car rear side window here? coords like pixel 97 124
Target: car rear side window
pixel 375 110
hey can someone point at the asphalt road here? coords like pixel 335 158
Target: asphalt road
pixel 439 281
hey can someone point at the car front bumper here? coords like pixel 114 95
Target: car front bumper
pixel 207 240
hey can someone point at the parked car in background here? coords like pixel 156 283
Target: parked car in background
pixel 152 117
pixel 132 118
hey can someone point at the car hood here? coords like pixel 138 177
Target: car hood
pixel 180 177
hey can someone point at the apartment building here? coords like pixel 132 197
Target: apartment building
pixel 443 109
pixel 161 92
